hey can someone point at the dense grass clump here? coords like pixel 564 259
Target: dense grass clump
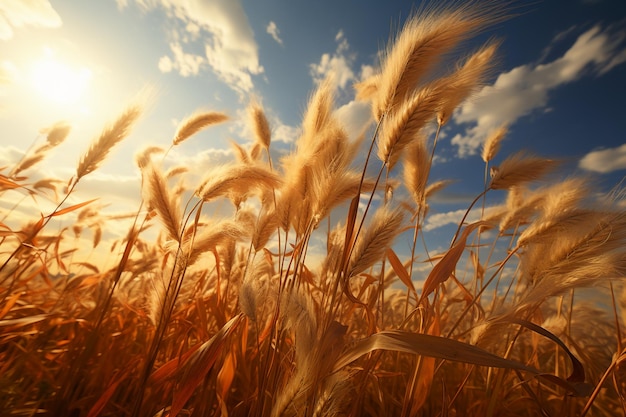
pixel 240 316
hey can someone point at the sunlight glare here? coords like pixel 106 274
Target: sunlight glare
pixel 59 82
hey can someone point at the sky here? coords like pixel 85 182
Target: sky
pixel 560 84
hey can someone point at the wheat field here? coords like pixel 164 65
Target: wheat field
pixel 233 314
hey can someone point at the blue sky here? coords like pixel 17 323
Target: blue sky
pixel 561 82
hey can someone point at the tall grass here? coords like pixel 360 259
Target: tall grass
pixel 242 316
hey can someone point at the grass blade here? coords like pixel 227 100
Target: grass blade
pixel 427 345
pixel 200 363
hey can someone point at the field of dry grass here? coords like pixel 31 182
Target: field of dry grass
pixel 210 316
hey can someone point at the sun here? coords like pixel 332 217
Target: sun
pixel 58 82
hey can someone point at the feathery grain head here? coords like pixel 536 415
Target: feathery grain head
pixel 331 148
pixel 47 183
pixel 255 294
pixel 256 151
pixel 565 196
pixel 260 125
pixel 367 89
pixel 471 76
pixel 175 171
pixel 377 237
pixel 156 299
pixel 293 204
pixel 561 212
pixel 197 122
pixel 265 227
pixel 492 144
pixel 422 43
pixel 29 161
pixel 318 113
pixel 213 235
pixel 557 226
pixel 334 397
pixel 241 154
pixel 404 125
pixel 248 299
pixel 592 258
pixel 416 169
pixel 236 180
pixel 520 208
pixel 158 197
pixel 144 157
pixel 519 169
pixel 110 136
pixel 56 134
pixel 435 187
pixel 298 314
pixel 335 188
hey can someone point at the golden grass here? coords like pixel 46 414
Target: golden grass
pixel 243 315
pixel 110 136
pixel 197 122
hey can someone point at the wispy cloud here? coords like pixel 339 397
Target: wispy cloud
pixel 355 116
pixel 185 64
pixel 437 220
pixel 338 65
pixel 223 31
pixel 272 29
pixel 121 191
pixel 605 160
pixel 526 88
pixel 285 133
pixel 15 14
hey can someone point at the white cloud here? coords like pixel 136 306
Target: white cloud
pixel 605 160
pixel 165 64
pixel 121 191
pixel 18 13
pixel 230 49
pixel 193 29
pixel 198 162
pixel 437 220
pixel 355 116
pixel 337 65
pixel 284 133
pixel 185 63
pixel 526 88
pixel 367 71
pixel 618 59
pixel 272 29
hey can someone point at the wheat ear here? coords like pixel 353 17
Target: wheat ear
pixel 236 179
pixel 158 197
pixel 518 169
pixel 260 125
pixel 110 136
pixel 421 44
pixel 195 123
